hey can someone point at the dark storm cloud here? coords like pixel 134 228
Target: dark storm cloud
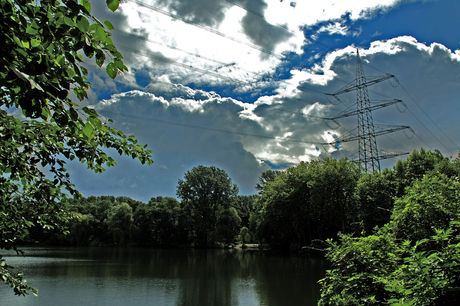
pixel 259 30
pixel 203 12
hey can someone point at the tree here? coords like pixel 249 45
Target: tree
pixel 207 195
pixel 245 207
pixel 413 260
pixel 310 201
pixel 418 164
pixel 120 221
pixel 166 217
pixel 265 178
pixel 42 49
pixel 244 236
pixel 375 200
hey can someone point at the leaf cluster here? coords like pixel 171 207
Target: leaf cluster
pixel 42 51
pixel 413 260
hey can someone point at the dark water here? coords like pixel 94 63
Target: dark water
pixel 112 276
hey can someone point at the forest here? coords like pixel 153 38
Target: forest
pixel 302 206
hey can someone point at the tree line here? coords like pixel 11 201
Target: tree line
pixel 210 213
pixel 302 206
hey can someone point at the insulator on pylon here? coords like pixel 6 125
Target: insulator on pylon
pixel 404 107
pixel 395 80
pixel 336 99
pixel 412 133
pixel 332 127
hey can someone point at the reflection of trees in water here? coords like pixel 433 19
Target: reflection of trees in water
pixel 195 276
pixel 207 278
pixel 212 277
pixel 288 280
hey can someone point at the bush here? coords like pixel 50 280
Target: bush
pixel 413 260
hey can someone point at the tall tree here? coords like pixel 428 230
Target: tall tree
pixel 419 163
pixel 375 200
pixel 313 200
pixel 42 47
pixel 265 178
pixel 207 195
pixel 119 222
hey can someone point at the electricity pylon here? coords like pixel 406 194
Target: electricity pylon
pixel 366 131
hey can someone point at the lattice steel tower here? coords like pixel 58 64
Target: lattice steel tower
pixel 366 132
pixel 367 147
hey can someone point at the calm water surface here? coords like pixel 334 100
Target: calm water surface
pixel 117 276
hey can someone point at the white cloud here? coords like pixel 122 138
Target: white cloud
pixel 334 28
pixel 186 127
pixel 217 38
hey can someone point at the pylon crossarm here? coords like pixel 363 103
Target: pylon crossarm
pixel 378 130
pixel 387 154
pixel 386 129
pixel 352 86
pixel 375 105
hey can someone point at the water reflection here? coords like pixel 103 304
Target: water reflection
pixel 107 276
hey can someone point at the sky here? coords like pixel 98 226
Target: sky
pixel 240 85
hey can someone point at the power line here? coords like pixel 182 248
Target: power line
pixel 455 145
pixel 429 118
pixel 271 53
pixel 175 63
pixel 184 51
pixel 211 30
pixel 208 128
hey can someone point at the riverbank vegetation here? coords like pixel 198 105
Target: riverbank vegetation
pixel 391 237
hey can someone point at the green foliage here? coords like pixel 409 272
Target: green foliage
pixel 208 196
pixel 228 224
pixel 15 280
pixel 431 203
pixel 42 49
pixel 418 164
pixel 163 221
pixel 119 222
pixel 244 235
pixel 265 178
pixel 310 201
pixel 245 207
pixel 375 195
pixel 413 260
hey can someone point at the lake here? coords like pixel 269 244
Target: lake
pixel 144 276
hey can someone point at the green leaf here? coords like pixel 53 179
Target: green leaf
pixel 88 130
pixel 86 5
pixel 100 57
pixel 31 29
pixel 111 70
pixel 83 24
pixel 109 25
pixel 35 42
pixel 73 114
pixel 113 4
pixel 100 33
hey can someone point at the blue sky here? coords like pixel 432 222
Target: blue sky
pixel 240 84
